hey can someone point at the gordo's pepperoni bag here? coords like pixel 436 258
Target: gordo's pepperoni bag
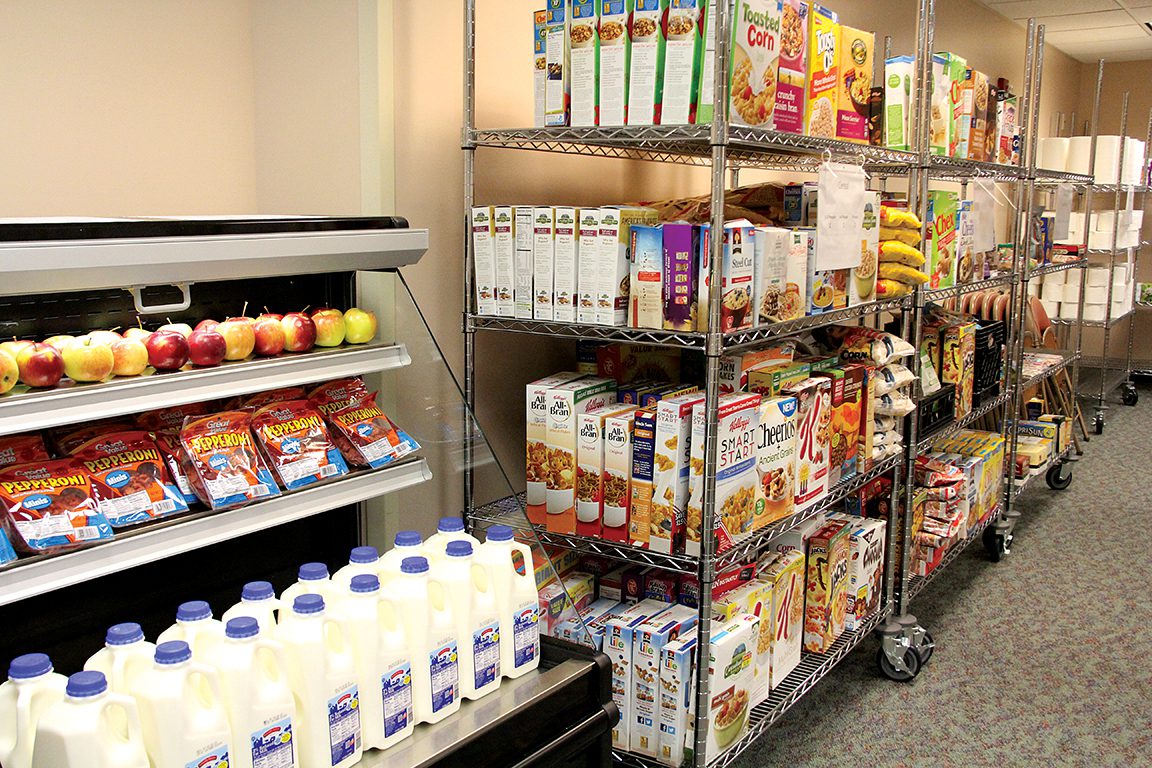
pixel 366 436
pixel 48 506
pixel 130 478
pixel 222 462
pixel 296 442
pixel 21 449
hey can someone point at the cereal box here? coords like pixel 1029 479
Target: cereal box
pixel 22 449
pixel 854 84
pixel 772 380
pixel 524 236
pixel 837 438
pixel 735 369
pixel 588 263
pixel 940 119
pixel 565 404
pixel 991 138
pixel 736 440
pixel 755 58
pixel 539 66
pixel 850 418
pixel 681 246
pixel 677 662
pixel 785 577
pixel 753 597
pixel 556 53
pixel 694 516
pixel 590 467
pixel 813 414
pixel 617 485
pixel 737 276
pixel 613 583
pixel 794 302
pixel 898 76
pixel 573 629
pixel 703 282
pixel 796 539
pixel 707 63
pixel 865 570
pixel 643 470
pixel 504 250
pixel 583 53
pixel 619 636
pixel 536 447
pixel 682 61
pixel 646 64
pixel 596 626
pixel 977 115
pixel 965 241
pixel 862 282
pixel 957 72
pixel 958 361
pixel 775 461
pixel 941 246
pixel 484 260
pixel 615 270
pixel 826 600
pixel 827 288
pixel 771 282
pixel 543 262
pixel 791 109
pixel 563 600
pixel 565 269
pixel 661 585
pixel 670 475
pixel 638 363
pixel 647 277
pixel 1008 146
pixel 615 51
pixel 731 678
pixel 964 118
pixel 650 639
pixel 823 60
pixel 650 399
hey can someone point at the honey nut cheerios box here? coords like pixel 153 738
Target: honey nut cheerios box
pixel 775 461
pixel 826 598
pixel 823 69
pixel 755 60
pixel 650 638
pixel 670 475
pixel 813 413
pixel 785 577
pixel 565 404
pixel 536 448
pixel 619 636
pixel 590 467
pixel 583 58
pixel 791 110
pixel 617 484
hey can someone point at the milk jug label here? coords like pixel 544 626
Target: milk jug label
pixel 445 670
pixel 396 686
pixel 272 745
pixel 344 723
pixel 525 634
pixel 486 653
pixel 216 757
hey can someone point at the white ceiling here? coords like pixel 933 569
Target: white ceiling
pixel 1087 30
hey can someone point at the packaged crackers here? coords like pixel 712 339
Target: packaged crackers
pixel 49 506
pixel 222 462
pixel 130 478
pixel 296 443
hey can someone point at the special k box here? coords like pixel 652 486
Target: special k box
pixel 649 640
pixel 785 577
pixel 813 415
pixel 775 461
pixel 618 643
pixel 736 439
pixel 565 404
pixel 643 471
pixel 536 432
pixel 670 476
pixel 826 602
pixel 590 467
pixel 616 487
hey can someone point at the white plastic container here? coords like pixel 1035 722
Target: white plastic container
pixel 182 712
pixel 394 661
pixel 311 579
pixel 195 626
pixel 124 657
pixel 361 562
pixel 469 586
pixel 448 529
pixel 257 698
pixel 406 544
pixel 31 690
pixel 258 600
pixel 513 579
pixel 358 612
pixel 74 733
pixel 322 673
pixel 426 613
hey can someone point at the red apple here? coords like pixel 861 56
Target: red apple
pixel 299 332
pixel 273 315
pixel 59 342
pixel 183 329
pixel 167 350
pixel 137 333
pixel 206 348
pixel 129 357
pixel 239 337
pixel 207 325
pixel 13 347
pixel 269 336
pixel 359 325
pixel 329 327
pixel 40 365
pixel 87 359
pixel 107 338
pixel 9 372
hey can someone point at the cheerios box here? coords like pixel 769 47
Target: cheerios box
pixel 682 61
pixel 643 472
pixel 619 636
pixel 583 56
pixel 556 53
pixel 646 63
pixel 677 662
pixel 617 484
pixel 775 461
pixel 731 677
pixel 823 68
pixel 649 640
pixel 755 58
pixel 813 414
pixel 565 404
pixel 536 449
pixel 615 51
pixel 590 467
pixel 854 84
pixel 785 577
pixel 736 440
pixel 670 476
pixel 826 597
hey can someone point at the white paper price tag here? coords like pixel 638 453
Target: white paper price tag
pixel 1063 207
pixel 840 216
pixel 983 216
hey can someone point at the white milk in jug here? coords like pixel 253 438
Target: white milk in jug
pixel 312 579
pixel 358 614
pixel 195 626
pixel 75 732
pixel 394 661
pixel 32 688
pixel 258 600
pixel 361 561
pixel 406 544
pixel 125 655
pixel 469 587
pixel 512 571
pixel 448 529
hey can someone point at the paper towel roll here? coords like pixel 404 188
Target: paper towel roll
pixel 1067 311
pixel 1093 294
pixel 1051 307
pixel 1098 276
pixel 1107 159
pixel 1133 159
pixel 1033 288
pixel 1054 280
pixel 1053 153
pixel 1093 313
pixel 1079 154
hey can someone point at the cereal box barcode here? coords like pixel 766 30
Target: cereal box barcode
pixel 87 532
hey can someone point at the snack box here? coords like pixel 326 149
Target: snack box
pixel 565 267
pixel 590 467
pixel 679 289
pixel 865 570
pixel 677 664
pixel 646 64
pixel 771 281
pixel 898 75
pixel 791 109
pixel 813 415
pixel 785 579
pixel 646 303
pixel 854 84
pixel 649 640
pixel 670 476
pixel 862 279
pixel 941 246
pixel 826 600
pixel 611 585
pixel 524 236
pixel 837 439
pixel 539 66
pixel 823 61
pixel 565 404
pixel 556 54
pixel 731 678
pixel 588 263
pixel 755 54
pixel 563 599
pixel 574 629
pixel 682 48
pixel 643 471
pixel 651 399
pixel 617 485
pixel 1063 429
pixel 958 362
pixel 661 585
pixel 775 461
pixel 739 418
pixel 615 52
pixel 615 265
pixel 619 635
pixel 737 276
pixel 504 249
pixel 583 57
pixel 735 369
pixel 771 380
pixel 484 260
pixel 755 598
pixel 543 262
pixel 638 362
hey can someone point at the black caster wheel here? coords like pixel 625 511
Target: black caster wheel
pixel 1059 476
pixel 1098 423
pixel 911 663
pixel 996 544
pixel 926 648
pixel 1130 396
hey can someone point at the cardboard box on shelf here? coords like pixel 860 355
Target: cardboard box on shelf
pixel 565 404
pixel 823 61
pixel 865 569
pixel 771 380
pixel 524 234
pixel 679 291
pixel 753 597
pixel 670 493
pixel 854 83
pixel 539 66
pixel 650 639
pixel 682 49
pixel 538 466
pixel 565 266
pixel 693 514
pixel 957 362
pixel 862 279
pixel 638 362
pixel 775 461
pixel 791 110
pixel 646 304
pixel 941 247
pixel 827 288
pixel 588 264
pixel 794 304
pixel 785 578
pixel 771 274
pixel 677 662
pixel 736 369
pixel 504 252
pixel 617 485
pixel 898 76
pixel 813 398
pixel 583 57
pixel 556 52
pixel 645 67
pixel 590 468
pixel 1008 145
pixel 615 268
pixel 755 59
pixel 737 276
pixel 731 678
pixel 619 637
pixel 826 600
pixel 484 260
pixel 643 465
pixel 543 262
pixel 615 52
pixel 978 116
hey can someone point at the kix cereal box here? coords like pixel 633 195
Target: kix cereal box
pixel 785 577
pixel 650 639
pixel 854 84
pixel 775 461
pixel 941 247
pixel 823 69
pixel 755 58
pixel 565 404
pixel 49 506
pixel 130 480
pixel 670 475
pixel 826 602
pixel 537 464
pixel 814 416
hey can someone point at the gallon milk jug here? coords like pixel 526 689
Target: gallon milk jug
pixel 359 615
pixel 254 683
pixel 257 600
pixel 406 544
pixel 322 674
pixel 477 619
pixel 31 690
pixel 448 529
pixel 395 664
pixel 512 572
pixel 195 626
pixel 182 711
pixel 362 561
pixel 426 613
pixel 312 579
pixel 125 655
pixel 77 732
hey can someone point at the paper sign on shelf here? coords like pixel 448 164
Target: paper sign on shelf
pixel 983 216
pixel 839 216
pixel 1063 207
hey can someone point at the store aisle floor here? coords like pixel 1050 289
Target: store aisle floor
pixel 1044 659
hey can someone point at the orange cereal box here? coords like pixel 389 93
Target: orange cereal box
pixel 48 506
pixel 130 478
pixel 826 604
pixel 295 440
pixel 21 449
pixel 366 436
pixel 222 462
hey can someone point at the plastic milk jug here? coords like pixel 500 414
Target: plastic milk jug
pixel 512 573
pixel 312 579
pixel 182 711
pixel 394 660
pixel 31 690
pixel 124 656
pixel 426 613
pixel 448 529
pixel 359 615
pixel 406 544
pixel 261 710
pixel 75 732
pixel 477 619
pixel 322 674
pixel 258 600
pixel 195 626
pixel 361 561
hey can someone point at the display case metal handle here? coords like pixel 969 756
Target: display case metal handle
pixel 160 309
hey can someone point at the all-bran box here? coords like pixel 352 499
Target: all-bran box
pixel 615 260
pixel 854 84
pixel 823 61
pixel 677 661
pixel 504 246
pixel 755 58
pixel 556 53
pixel 484 260
pixel 736 441
pixel 775 461
pixel 791 110
pixel 646 304
pixel 583 60
pixel 649 641
pixel 813 414
pixel 682 61
pixel 826 601
pixel 643 470
pixel 681 244
pixel 785 577
pixel 588 263
pixel 617 484
pixel 670 475
pixel 865 570
pixel 543 262
pixel 737 276
pixel 524 235
pixel 590 468
pixel 565 267
pixel 565 404
pixel 862 282
pixel 615 51
pixel 537 464
pixel 771 280
pixel 619 638
pixel 539 66
pixel 645 67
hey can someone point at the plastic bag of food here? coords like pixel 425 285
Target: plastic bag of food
pixel 892 376
pixel 68 438
pixel 294 439
pixel 331 396
pixel 366 436
pixel 892 289
pixel 931 473
pixel 884 423
pixel 261 399
pixel 891 216
pixel 172 419
pixel 907 236
pixel 49 506
pixel 894 251
pixel 222 462
pixel 891 270
pixel 130 478
pixel 867 345
pixel 895 403
pixel 21 449
pixel 172 452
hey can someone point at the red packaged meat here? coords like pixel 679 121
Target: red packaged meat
pixel 48 506
pixel 222 462
pixel 261 399
pixel 366 436
pixel 130 478
pixel 21 449
pixel 296 442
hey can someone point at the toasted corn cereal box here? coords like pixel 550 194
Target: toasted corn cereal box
pixel 223 465
pixel 130 478
pixel 49 506
pixel 296 442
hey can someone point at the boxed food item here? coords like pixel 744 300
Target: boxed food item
pixel 940 118
pixel 899 71
pixel 537 466
pixel 1063 434
pixel 957 73
pixel 837 439
pixel 865 570
pixel 1007 115
pixel 791 110
pixel 556 53
pixel 854 84
pixel 775 461
pixel 650 638
pixel 703 281
pixel 619 637
pixel 677 662
pixel 752 597
pixel 851 419
pixel 615 51
pixel 565 267
pixel 785 614
pixel 615 242
pixel 646 65
pixel 643 466
pixel 632 394
pixel 694 515
pixel 794 303
pixel 661 585
pixel 736 440
pixel 862 285
pixel 583 55
pixel 991 138
pixel 670 494
pixel 682 62
pixel 681 249
pixel 737 276
pixel 638 362
pixel 964 113
pixel 770 381
pixel 827 288
pixel 941 247
pixel 755 55
pixel 796 540
pixel 958 361
pixel 731 678
pixel 965 240
pixel 484 260
pixel 564 599
pixel 574 630
pixel 646 277
pixel 565 404
pixel 543 262
pixel 826 600
pixel 588 263
pixel 650 399
pixel 524 235
pixel 977 115
pixel 504 247
pixel 823 62
pixel 590 467
pixel 539 66
pixel 735 369
pixel 813 414
pixel 771 274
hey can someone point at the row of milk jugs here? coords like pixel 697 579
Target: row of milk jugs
pixel 335 666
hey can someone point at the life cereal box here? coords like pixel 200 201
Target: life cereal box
pixel 583 57
pixel 537 465
pixel 785 576
pixel 681 245
pixel 223 464
pixel 737 276
pixel 590 468
pixel 826 600
pixel 643 471
pixel 670 494
pixel 565 404
pixel 565 268
pixel 755 58
pixel 615 52
pixel 617 484
pixel 646 62
pixel 49 506
pixel 813 414
pixel 543 262
pixel 791 110
pixel 130 479
pixel 588 264
pixel 771 281
pixel 297 444
pixel 677 661
pixel 823 61
pixel 736 440
pixel 682 61
pixel 651 638
pixel 619 637
pixel 775 461
pixel 556 52
pixel 646 276
pixel 854 84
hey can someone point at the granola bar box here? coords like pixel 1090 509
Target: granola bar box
pixel 813 413
pixel 670 473
pixel 826 600
pixel 565 404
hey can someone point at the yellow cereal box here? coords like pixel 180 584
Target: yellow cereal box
pixel 854 84
pixel 755 56
pixel 823 61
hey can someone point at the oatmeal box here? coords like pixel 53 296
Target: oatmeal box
pixel 826 600
pixel 617 483
pixel 791 110
pixel 670 474
pixel 590 467
pixel 755 58
pixel 823 61
pixel 737 276
pixel 814 417
pixel 565 404
pixel 854 84
pixel 615 51
pixel 583 56
pixel 682 61
pixel 536 432
pixel 775 461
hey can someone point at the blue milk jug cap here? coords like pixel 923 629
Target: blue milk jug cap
pixel 498 533
pixel 414 565
pixel 313 572
pixel 124 634
pixel 308 604
pixel 173 652
pixel 29 665
pixel 242 627
pixel 365 582
pixel 257 590
pixel 409 539
pixel 364 555
pixel 450 525
pixel 193 610
pixel 84 684
pixel 459 548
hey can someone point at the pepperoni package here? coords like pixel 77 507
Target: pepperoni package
pixel 222 462
pixel 21 449
pixel 261 399
pixel 293 437
pixel 49 506
pixel 130 478
pixel 331 396
pixel 171 419
pixel 68 439
pixel 169 445
pixel 366 436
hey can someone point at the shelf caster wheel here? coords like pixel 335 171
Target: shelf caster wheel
pixel 1059 476
pixel 926 648
pixel 911 663
pixel 997 544
pixel 1130 396
pixel 1098 424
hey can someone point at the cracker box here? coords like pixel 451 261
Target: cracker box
pixel 898 76
pixel 735 369
pixel 755 59
pixel 736 439
pixel 670 494
pixel 941 246
pixel 677 662
pixel 775 461
pixel 590 468
pixel 615 50
pixel 813 414
pixel 977 115
pixel 619 636
pixel 484 260
pixel 556 53
pixel 682 61
pixel 565 268
pixel 862 279
pixel 524 237
pixel 737 274
pixel 650 638
pixel 543 262
pixel 681 246
pixel 646 64
pixel 731 678
pixel 536 432
pixel 504 247
pixel 785 580
pixel 826 599
pixel 770 381
pixel 583 56
pixel 694 515
pixel 539 66
pixel 865 570
pixel 753 597
pixel 565 404
pixel 823 60
pixel 837 439
pixel 646 304
pixel 771 280
pixel 615 267
pixel 794 303
pixel 854 84
pixel 958 361
pixel 791 110
pixel 588 264
pixel 643 466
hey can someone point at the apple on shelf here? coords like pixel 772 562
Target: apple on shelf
pixel 40 365
pixel 238 336
pixel 183 329
pixel 139 334
pixel 167 350
pixel 9 372
pixel 129 356
pixel 329 327
pixel 299 332
pixel 104 337
pixel 13 347
pixel 207 347
pixel 88 359
pixel 359 326
pixel 59 342
pixel 269 334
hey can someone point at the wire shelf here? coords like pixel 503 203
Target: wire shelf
pixel 938 294
pixel 954 428
pixel 1049 372
pixel 1050 176
pixel 916 584
pixel 1093 323
pixel 1023 482
pixel 1050 268
pixel 1120 188
pixel 959 169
